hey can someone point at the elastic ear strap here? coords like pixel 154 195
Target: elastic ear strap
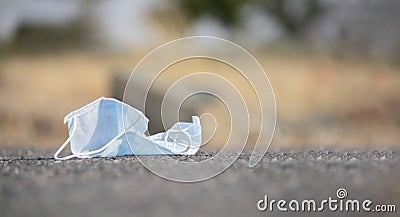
pixel 178 131
pixel 65 144
pixel 86 154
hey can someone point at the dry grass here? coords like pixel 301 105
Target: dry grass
pixel 320 100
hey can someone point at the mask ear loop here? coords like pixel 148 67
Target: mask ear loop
pixel 184 131
pixel 175 140
pixel 87 154
pixel 66 143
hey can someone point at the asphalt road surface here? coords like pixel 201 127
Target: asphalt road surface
pixel 33 184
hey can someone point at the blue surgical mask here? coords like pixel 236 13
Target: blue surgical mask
pixel 108 127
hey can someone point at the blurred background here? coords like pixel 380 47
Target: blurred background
pixel 334 65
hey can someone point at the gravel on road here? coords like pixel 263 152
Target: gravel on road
pixel 34 184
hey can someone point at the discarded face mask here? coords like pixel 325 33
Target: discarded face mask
pixel 108 127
